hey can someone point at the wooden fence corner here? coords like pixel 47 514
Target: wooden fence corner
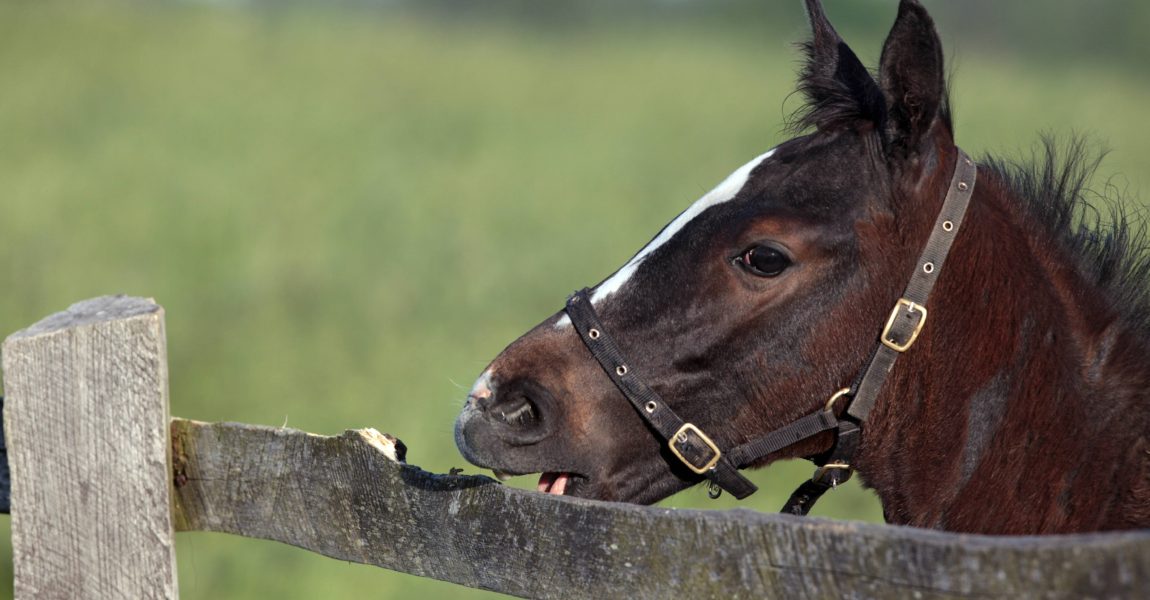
pixel 86 417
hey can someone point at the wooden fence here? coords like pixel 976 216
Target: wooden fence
pixel 101 477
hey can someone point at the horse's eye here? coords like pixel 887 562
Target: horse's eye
pixel 764 261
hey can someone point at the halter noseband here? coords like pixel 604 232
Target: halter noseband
pixel 699 453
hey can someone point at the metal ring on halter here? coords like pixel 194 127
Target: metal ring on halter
pixel 839 394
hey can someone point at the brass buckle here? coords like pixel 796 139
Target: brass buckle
pixel 911 307
pixel 681 436
pixel 822 471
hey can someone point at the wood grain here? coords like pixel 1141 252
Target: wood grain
pixel 343 497
pixel 86 415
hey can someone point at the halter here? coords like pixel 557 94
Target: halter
pixel 699 453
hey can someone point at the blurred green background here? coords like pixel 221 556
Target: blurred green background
pixel 347 211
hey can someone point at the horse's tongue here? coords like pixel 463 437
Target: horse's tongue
pixel 553 483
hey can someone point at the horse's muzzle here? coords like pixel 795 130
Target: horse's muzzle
pixel 502 428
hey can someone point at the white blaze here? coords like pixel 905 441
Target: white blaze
pixel 724 192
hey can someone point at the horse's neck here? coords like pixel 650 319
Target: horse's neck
pixel 1014 412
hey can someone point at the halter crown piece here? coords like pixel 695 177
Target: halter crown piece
pixel 703 456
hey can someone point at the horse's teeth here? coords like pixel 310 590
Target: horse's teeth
pixel 500 475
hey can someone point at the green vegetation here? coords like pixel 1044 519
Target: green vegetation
pixel 347 213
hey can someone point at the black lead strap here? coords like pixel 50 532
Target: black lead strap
pixel 699 453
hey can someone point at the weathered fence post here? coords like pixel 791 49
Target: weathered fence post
pixel 86 418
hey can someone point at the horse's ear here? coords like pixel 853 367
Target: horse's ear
pixel 838 88
pixel 912 77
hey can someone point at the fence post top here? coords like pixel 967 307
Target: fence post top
pixel 87 312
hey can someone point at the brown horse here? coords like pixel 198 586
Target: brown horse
pixel 1020 399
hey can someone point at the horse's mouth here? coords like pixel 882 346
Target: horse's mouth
pixel 555 483
pixel 560 483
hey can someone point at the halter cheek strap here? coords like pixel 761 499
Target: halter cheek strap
pixel 695 449
pixel 909 314
pixel 699 453
pixel 905 322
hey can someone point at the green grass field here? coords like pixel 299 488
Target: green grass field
pixel 346 214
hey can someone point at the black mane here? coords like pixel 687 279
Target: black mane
pixel 1111 251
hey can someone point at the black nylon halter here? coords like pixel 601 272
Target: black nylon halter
pixel 703 456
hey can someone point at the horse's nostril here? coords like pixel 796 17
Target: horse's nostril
pixel 517 412
pixel 520 413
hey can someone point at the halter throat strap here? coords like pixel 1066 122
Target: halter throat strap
pixel 699 453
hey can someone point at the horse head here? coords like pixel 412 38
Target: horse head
pixel 752 306
pixel 767 295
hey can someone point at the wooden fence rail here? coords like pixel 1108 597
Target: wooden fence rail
pixel 100 472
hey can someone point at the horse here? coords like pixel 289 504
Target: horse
pixel 867 296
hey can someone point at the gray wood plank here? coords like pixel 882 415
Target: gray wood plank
pixel 343 497
pixel 86 417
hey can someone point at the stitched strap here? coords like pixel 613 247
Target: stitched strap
pixel 796 431
pixel 689 443
pixel 910 313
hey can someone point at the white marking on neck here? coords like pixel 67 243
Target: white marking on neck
pixel 724 192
